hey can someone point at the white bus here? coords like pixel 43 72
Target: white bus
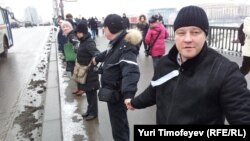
pixel 6 38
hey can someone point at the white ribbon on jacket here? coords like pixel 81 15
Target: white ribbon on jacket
pixel 165 78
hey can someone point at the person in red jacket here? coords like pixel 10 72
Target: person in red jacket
pixel 155 38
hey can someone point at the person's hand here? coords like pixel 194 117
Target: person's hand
pixel 93 61
pixel 128 104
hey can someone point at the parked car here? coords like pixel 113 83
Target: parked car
pixel 28 24
pixel 14 25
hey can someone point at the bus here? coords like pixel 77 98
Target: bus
pixel 6 38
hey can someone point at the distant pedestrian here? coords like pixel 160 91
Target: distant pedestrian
pixel 126 22
pixel 245 67
pixel 160 17
pixel 93 27
pixel 97 29
pixel 143 26
pixel 69 18
pixel 241 35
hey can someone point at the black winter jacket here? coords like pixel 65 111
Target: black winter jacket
pixel 143 27
pixel 241 35
pixel 207 89
pixel 86 51
pixel 120 68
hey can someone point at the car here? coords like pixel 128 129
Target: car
pixel 28 24
pixel 14 25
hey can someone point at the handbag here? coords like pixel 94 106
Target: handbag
pixel 80 72
pixel 70 54
pixel 108 95
pixel 150 46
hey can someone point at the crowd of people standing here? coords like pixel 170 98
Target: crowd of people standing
pixel 222 94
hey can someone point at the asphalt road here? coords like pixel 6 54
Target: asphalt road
pixel 16 70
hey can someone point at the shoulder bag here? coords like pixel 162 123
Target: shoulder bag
pixel 150 46
pixel 80 72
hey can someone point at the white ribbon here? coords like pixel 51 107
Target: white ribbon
pixel 165 78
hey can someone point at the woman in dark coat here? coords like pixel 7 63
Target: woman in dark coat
pixel 86 51
pixel 143 26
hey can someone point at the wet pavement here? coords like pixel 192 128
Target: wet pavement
pixel 29 62
pixel 62 118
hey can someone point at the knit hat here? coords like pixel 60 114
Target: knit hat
pixel 153 19
pixel 192 16
pixel 114 23
pixel 82 27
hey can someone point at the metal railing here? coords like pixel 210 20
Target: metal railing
pixel 223 39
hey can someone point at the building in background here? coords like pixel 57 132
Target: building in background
pixel 31 15
pixel 226 14
pixel 168 14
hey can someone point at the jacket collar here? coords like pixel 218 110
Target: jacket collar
pixel 87 36
pixel 117 40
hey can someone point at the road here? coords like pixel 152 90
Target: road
pixel 16 70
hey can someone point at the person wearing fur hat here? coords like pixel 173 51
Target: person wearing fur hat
pixel 120 72
pixel 194 84
pixel 86 51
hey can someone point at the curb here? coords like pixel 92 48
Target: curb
pixel 52 129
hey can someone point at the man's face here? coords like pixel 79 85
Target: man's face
pixel 189 41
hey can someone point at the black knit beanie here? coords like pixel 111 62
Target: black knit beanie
pixel 82 27
pixel 192 16
pixel 114 23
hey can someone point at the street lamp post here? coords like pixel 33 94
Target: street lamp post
pixel 61 7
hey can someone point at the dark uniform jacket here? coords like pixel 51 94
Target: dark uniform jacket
pixel 120 68
pixel 86 51
pixel 203 90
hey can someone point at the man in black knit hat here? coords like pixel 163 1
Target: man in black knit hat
pixel 194 84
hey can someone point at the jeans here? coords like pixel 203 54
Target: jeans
pixel 93 34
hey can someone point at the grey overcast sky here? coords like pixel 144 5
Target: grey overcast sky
pixel 100 8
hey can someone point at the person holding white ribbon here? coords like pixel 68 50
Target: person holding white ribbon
pixel 194 84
